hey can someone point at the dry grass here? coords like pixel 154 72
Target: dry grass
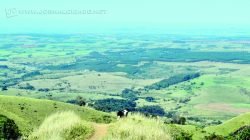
pixel 138 127
pixel 62 126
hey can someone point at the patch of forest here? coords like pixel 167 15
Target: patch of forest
pixel 108 61
pixel 172 81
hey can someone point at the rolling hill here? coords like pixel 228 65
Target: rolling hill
pixel 29 113
pixel 231 125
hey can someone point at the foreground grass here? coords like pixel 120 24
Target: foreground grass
pixel 63 126
pixel 138 127
pixel 29 113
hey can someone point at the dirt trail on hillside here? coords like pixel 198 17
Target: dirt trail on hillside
pixel 100 131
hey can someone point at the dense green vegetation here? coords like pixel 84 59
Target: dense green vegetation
pixel 242 133
pixel 151 110
pixel 130 94
pixel 8 128
pixel 108 61
pixel 109 105
pixel 78 101
pixel 172 81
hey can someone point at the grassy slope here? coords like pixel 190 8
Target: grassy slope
pixel 230 125
pixel 28 119
pixel 29 113
pixel 224 129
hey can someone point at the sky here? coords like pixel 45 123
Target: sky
pixel 127 15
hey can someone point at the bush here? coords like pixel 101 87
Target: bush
pixel 8 129
pixel 27 86
pixel 43 90
pixel 110 105
pixel 78 132
pixel 150 99
pixel 179 134
pixel 214 137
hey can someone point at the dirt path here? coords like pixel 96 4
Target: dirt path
pixel 100 131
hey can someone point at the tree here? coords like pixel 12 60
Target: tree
pixel 129 94
pixel 178 120
pixel 80 101
pixel 182 120
pixel 4 88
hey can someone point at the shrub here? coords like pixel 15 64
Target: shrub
pixel 179 134
pixel 214 137
pixel 43 90
pixel 8 128
pixel 27 86
pixel 78 132
pixel 150 99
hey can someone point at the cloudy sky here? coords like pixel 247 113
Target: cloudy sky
pixel 79 16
